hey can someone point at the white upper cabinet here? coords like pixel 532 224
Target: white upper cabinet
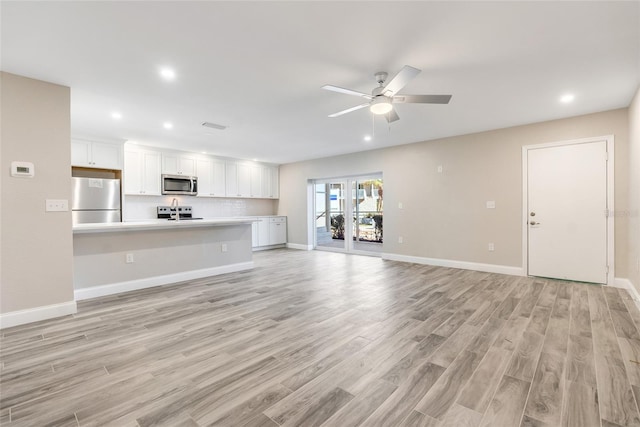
pixel 244 180
pixel 217 177
pixel 211 178
pixel 94 154
pixel 231 181
pixel 270 182
pixel 238 177
pixel 174 164
pixel 256 181
pixel 251 180
pixel 141 172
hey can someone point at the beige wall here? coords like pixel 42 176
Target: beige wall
pixel 36 247
pixel 633 213
pixel 444 215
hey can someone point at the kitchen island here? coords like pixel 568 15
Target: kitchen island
pixel 118 257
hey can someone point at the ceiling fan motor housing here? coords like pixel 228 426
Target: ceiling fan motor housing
pixel 381 76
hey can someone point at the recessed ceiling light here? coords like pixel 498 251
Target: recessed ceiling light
pixel 167 125
pixel 167 73
pixel 367 137
pixel 116 115
pixel 565 99
pixel 203 152
pixel 255 160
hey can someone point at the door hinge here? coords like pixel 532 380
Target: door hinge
pixel 607 269
pixel 606 156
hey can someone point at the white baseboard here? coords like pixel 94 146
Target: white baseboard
pixel 488 268
pixel 621 282
pixel 133 285
pixel 30 315
pixel 266 248
pixel 299 246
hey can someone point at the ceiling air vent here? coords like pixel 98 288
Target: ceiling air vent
pixel 213 126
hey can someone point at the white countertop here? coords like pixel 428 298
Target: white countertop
pixel 155 224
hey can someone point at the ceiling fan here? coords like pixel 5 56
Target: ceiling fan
pixel 381 98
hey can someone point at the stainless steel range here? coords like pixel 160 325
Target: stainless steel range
pixel 168 212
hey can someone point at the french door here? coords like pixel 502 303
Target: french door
pixel 348 214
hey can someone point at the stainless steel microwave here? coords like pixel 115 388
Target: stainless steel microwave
pixel 180 184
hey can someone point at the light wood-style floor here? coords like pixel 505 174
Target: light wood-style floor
pixel 319 338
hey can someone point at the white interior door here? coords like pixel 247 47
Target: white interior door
pixel 567 205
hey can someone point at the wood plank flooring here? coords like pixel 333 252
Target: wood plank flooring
pixel 326 339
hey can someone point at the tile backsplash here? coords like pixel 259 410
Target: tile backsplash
pixel 144 207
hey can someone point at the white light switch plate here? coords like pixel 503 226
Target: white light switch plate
pixel 491 204
pixel 56 205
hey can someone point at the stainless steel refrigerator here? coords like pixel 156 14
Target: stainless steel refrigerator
pixel 95 200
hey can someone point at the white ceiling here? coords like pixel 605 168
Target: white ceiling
pixel 258 68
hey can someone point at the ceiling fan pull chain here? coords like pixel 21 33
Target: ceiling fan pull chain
pixel 373 126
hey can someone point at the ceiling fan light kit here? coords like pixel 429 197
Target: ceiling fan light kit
pixel 383 96
pixel 380 105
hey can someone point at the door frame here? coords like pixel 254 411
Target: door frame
pixel 348 237
pixel 610 199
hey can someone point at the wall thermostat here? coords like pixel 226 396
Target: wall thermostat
pixel 22 169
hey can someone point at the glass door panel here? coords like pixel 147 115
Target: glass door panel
pixel 367 215
pixel 330 221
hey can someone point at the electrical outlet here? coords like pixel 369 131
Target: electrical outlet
pixel 223 247
pixel 440 169
pixel 400 239
pixel 129 259
pixel 491 247
pixel 56 205
pixel 400 206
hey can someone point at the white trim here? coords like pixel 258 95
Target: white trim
pixel 133 285
pixel 610 198
pixel 266 248
pixel 621 282
pixel 300 247
pixel 36 314
pixel 465 265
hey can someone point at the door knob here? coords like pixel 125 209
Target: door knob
pixel 532 214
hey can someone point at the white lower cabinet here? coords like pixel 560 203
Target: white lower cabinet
pixel 269 231
pixel 254 234
pixel 263 231
pixel 278 230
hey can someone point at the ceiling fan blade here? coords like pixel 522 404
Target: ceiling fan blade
pixel 346 91
pixel 348 110
pixel 392 116
pixel 422 99
pixel 400 80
